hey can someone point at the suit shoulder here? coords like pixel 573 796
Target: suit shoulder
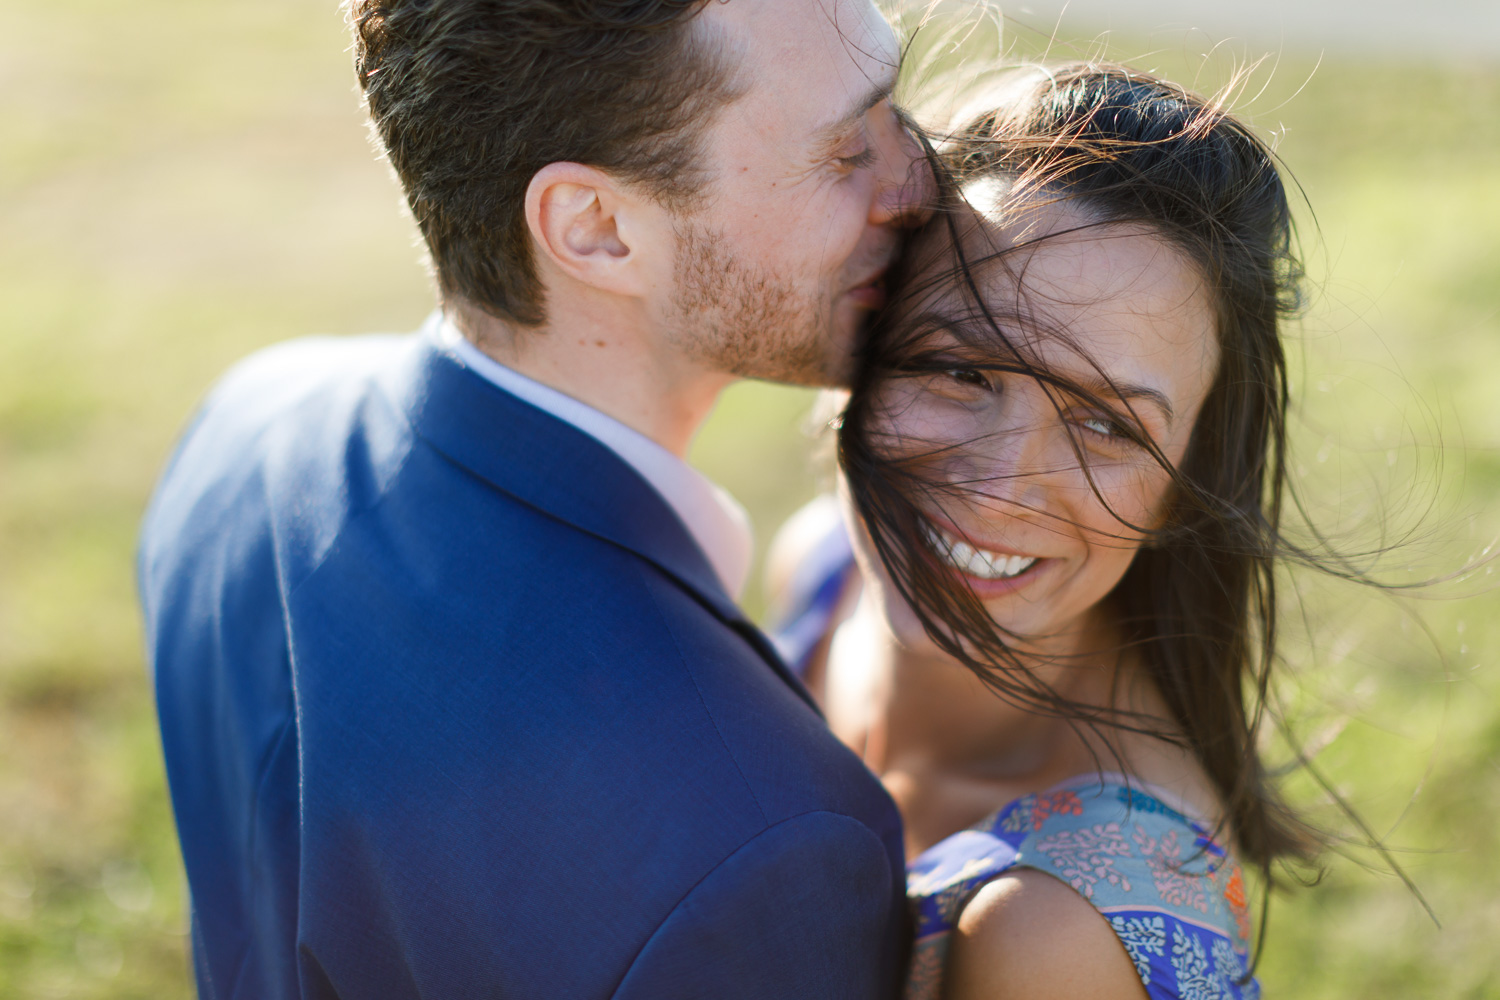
pixel 778 742
pixel 279 378
pixel 299 432
pixel 817 890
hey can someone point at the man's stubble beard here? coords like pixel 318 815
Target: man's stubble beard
pixel 746 321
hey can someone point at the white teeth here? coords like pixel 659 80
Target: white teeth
pixel 976 562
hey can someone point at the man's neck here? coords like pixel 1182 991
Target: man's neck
pixel 644 385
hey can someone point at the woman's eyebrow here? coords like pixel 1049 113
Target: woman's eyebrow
pixel 1126 391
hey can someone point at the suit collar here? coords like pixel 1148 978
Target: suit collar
pixel 715 521
pixel 552 466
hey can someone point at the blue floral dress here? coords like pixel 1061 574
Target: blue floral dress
pixel 1175 898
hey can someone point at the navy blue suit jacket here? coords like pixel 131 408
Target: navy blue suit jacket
pixel 453 706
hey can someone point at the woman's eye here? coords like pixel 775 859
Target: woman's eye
pixel 970 377
pixel 1104 427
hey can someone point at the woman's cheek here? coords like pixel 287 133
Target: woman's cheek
pixel 1128 500
pixel 915 424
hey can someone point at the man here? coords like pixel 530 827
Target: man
pixel 454 695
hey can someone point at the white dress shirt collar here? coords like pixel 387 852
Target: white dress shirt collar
pixel 712 517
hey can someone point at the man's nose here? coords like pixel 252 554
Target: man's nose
pixel 908 189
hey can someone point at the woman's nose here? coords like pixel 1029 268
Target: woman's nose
pixel 1018 464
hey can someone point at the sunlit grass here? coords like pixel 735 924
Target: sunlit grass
pixel 184 182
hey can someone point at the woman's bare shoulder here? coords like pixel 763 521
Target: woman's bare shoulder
pixel 1026 934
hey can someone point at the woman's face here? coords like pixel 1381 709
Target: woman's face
pixel 1045 497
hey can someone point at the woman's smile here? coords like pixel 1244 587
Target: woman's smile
pixel 989 571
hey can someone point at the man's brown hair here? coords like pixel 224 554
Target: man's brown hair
pixel 472 97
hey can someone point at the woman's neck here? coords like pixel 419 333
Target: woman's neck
pixel 951 751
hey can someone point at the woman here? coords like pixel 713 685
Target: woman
pixel 1063 453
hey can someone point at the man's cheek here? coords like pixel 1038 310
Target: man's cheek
pixel 842 206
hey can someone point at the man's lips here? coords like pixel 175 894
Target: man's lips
pixel 870 294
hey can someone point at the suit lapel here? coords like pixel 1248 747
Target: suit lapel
pixel 551 465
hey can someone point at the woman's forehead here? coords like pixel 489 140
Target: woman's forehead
pixel 987 225
pixel 1078 294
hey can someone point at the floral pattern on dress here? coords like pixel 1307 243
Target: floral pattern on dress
pixel 1018 816
pixel 1226 963
pixel 1164 855
pixel 1239 907
pixel 1085 857
pixel 940 883
pixel 1031 813
pixel 953 896
pixel 924 977
pixel 1142 938
pixel 1136 800
pixel 1195 979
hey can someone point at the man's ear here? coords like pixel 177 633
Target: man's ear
pixel 581 219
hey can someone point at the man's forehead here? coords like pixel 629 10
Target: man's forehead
pixel 843 49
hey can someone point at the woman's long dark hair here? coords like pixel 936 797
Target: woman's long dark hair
pixel 1198 604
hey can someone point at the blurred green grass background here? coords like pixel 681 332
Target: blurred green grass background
pixel 184 182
